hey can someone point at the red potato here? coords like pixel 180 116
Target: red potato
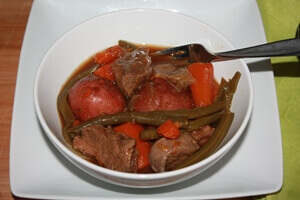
pixel 93 96
pixel 159 94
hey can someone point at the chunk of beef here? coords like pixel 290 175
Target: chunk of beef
pixel 202 136
pixel 166 153
pixel 132 70
pixel 179 77
pixel 112 150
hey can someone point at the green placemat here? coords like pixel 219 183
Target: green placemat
pixel 280 19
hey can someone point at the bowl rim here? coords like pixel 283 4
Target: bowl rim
pixel 70 155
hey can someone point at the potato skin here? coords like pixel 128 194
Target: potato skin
pixel 159 94
pixel 93 96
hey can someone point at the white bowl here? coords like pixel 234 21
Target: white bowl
pixel 140 26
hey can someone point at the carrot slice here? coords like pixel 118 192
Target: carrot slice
pixel 106 72
pixel 169 129
pixel 109 55
pixel 76 122
pixel 133 130
pixel 203 89
pixel 215 89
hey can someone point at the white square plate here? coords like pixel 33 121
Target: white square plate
pixel 252 167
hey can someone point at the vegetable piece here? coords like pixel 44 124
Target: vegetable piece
pixel 215 88
pixel 203 87
pixel 215 140
pixel 149 134
pixel 76 122
pixel 198 123
pixel 105 71
pixel 67 136
pixel 159 94
pixel 62 103
pixel 133 130
pixel 109 55
pixel 232 85
pixel 193 113
pixel 93 96
pixel 222 91
pixel 227 89
pixel 169 129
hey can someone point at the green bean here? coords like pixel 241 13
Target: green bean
pixel 212 144
pixel 198 123
pixel 65 110
pixel 222 90
pixel 232 85
pixel 68 137
pixel 192 113
pixel 227 89
pixel 137 117
pixel 62 103
pixel 149 134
